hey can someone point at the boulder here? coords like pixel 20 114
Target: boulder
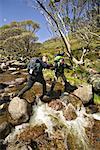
pixel 18 109
pixel 95 81
pixel 71 98
pixel 56 104
pixel 22 138
pixel 69 112
pixel 18 146
pixel 12 137
pixel 84 92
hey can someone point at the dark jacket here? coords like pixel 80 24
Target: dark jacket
pixel 59 68
pixel 40 65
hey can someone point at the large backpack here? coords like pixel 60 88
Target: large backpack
pixel 58 66
pixel 57 58
pixel 34 66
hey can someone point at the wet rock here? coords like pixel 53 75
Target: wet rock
pixel 24 137
pixel 69 112
pixel 18 146
pixel 95 81
pixel 73 99
pixel 18 110
pixel 4 130
pixel 31 133
pixel 84 93
pixel 12 137
pixel 56 104
pixel 39 135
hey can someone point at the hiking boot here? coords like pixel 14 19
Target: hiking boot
pixel 48 93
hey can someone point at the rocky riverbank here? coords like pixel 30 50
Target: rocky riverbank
pixel 66 121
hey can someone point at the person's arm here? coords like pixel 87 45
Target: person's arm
pixel 46 65
pixel 68 67
pixel 62 54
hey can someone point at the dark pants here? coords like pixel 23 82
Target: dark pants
pixel 55 80
pixel 31 81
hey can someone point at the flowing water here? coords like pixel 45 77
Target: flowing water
pixel 42 113
pixel 74 132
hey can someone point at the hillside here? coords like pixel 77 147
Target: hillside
pixel 62 120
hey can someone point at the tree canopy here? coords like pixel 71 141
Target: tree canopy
pixel 18 36
pixel 79 18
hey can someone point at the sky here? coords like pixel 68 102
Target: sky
pixel 20 10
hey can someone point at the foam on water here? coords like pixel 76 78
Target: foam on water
pixel 42 113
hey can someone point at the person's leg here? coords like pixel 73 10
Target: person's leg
pixel 43 82
pixel 53 83
pixel 65 82
pixel 29 84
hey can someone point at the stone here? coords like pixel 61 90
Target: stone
pixel 56 104
pixel 69 112
pixel 95 81
pixel 84 92
pixel 18 110
pixel 73 99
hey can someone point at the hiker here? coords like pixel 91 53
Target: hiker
pixel 59 66
pixel 35 68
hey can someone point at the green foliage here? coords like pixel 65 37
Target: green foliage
pixel 96 99
pixel 18 37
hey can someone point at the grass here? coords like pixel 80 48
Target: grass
pixel 96 99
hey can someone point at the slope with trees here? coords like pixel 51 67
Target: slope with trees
pixel 79 18
pixel 18 37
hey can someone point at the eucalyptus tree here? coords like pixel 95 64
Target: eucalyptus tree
pixel 69 16
pixel 18 36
